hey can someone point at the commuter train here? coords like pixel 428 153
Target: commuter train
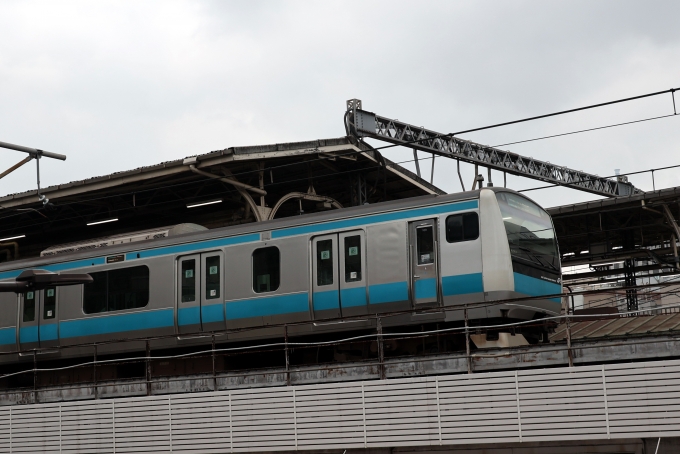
pixel 399 256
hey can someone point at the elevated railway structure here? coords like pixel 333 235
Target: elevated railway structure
pixel 618 394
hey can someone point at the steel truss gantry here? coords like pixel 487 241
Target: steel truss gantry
pixel 361 123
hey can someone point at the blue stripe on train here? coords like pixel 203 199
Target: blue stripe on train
pixel 426 288
pixel 189 315
pixel 212 313
pixel 372 219
pixel 28 334
pixel 353 297
pixel 271 305
pixel 327 300
pixel 388 293
pixel 462 284
pixel 49 332
pixel 135 321
pixel 536 287
pixel 8 336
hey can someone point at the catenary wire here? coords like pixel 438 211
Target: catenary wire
pixel 672 90
pixel 578 109
pixel 427 158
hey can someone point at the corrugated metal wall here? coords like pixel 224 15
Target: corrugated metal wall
pixel 589 402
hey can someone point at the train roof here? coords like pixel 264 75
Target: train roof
pixel 258 227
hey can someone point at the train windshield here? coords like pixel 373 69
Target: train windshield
pixel 530 231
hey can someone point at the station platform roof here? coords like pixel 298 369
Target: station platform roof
pixel 251 183
pixel 641 227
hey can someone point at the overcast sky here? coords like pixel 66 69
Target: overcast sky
pixel 120 84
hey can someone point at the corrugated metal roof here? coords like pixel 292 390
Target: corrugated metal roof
pixel 613 327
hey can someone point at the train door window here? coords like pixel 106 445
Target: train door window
pixel 352 249
pixel 29 307
pixel 462 227
pixel 266 269
pixel 324 262
pixel 212 277
pixel 50 305
pixel 425 244
pixel 189 281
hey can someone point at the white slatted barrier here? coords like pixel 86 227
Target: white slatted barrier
pixel 589 402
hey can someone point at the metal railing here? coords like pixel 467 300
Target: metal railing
pixel 377 342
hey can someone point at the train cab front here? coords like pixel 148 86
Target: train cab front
pixel 520 257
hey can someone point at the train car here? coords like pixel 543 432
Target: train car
pixel 430 251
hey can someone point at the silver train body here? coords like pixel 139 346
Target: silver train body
pixel 396 256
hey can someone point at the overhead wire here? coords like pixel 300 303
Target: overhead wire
pixel 319 158
pixel 672 91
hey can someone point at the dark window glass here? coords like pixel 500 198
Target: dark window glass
pixel 462 227
pixel 116 290
pixel 266 269
pixel 530 231
pixel 425 245
pixel 50 306
pixel 212 277
pixel 128 288
pixel 188 281
pixel 29 307
pixel 454 228
pixel 352 258
pixel 94 297
pixel 324 262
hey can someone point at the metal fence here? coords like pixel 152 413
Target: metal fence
pixel 589 402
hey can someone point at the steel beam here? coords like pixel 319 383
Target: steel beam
pixel 361 123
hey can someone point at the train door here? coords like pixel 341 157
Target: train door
pixel 188 294
pixel 424 269
pixel 38 321
pixel 212 291
pixel 200 293
pixel 325 282
pixel 353 273
pixel 339 275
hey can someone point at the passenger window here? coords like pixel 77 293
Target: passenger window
pixel 94 298
pixel 188 281
pixel 462 227
pixel 266 269
pixel 324 262
pixel 50 306
pixel 352 258
pixel 212 277
pixel 425 244
pixel 115 290
pixel 29 307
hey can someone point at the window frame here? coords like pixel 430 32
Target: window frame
pixel 462 217
pixel 108 311
pixel 253 275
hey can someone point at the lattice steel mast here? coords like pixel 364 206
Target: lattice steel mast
pixel 361 123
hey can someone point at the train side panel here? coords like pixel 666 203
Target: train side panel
pixel 155 318
pixel 9 303
pixel 288 302
pixel 387 267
